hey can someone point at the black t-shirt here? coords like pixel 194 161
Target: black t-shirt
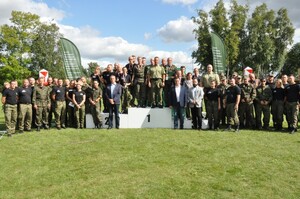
pixel 95 77
pixel 231 94
pixel 11 96
pixel 278 94
pixel 292 92
pixel 71 92
pixel 79 96
pixel 125 79
pixel 106 76
pixel 212 94
pixel 25 95
pixel 60 93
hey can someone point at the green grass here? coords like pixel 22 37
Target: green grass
pixel 149 163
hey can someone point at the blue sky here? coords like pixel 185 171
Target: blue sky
pixel 108 31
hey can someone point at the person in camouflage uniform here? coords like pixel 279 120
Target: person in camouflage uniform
pixel 170 70
pixel 156 81
pixel 263 99
pixel 246 109
pixel 222 87
pixel 94 100
pixel 41 103
pixel 138 79
pixel 126 96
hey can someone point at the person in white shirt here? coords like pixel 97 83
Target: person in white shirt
pixel 195 97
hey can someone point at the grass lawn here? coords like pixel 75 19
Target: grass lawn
pixel 149 163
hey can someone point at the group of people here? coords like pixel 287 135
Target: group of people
pixel 236 102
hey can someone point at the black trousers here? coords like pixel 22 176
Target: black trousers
pixel 113 110
pixel 197 117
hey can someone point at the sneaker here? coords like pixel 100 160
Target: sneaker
pixel 38 128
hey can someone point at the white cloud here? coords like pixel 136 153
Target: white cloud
pixel 39 8
pixel 147 36
pixel 184 2
pixel 180 30
pixel 93 46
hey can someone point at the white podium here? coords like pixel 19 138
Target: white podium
pixel 144 118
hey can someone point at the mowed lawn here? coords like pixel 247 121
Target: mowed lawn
pixel 149 163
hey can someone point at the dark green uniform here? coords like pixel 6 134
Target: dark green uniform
pixel 263 99
pixel 156 74
pixel 139 85
pixel 222 114
pixel 41 98
pixel 246 108
pixel 277 107
pixel 95 106
pixel 169 82
pixel 212 96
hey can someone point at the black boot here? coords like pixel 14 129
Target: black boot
pixel 237 129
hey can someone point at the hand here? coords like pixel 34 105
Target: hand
pixel 236 107
pixel 111 101
pixel 35 107
pixel 149 84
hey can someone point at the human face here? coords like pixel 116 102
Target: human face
pixel 25 83
pixel 112 79
pixel 209 68
pixel 60 82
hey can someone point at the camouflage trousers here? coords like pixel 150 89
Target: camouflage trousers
pixel 42 114
pixel 262 109
pixel 25 116
pixel 232 114
pixel 60 113
pixel 10 118
pixel 292 114
pixel 80 116
pixel 96 113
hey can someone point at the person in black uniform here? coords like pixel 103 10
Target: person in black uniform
pixel 25 107
pixel 10 100
pixel 79 98
pixel 106 80
pixel 278 105
pixel 292 101
pixel 233 96
pixel 212 95
pixel 59 98
pixel 70 106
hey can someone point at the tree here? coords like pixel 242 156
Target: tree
pixel 219 22
pixel 261 46
pixel 45 51
pixel 284 33
pixel 27 44
pixel 203 54
pixel 292 62
pixel 238 18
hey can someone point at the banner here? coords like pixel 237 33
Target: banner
pixel 219 53
pixel 71 58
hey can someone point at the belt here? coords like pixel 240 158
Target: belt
pixel 60 100
pixel 25 103
pixel 155 79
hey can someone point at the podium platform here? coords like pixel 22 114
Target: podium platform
pixel 144 118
